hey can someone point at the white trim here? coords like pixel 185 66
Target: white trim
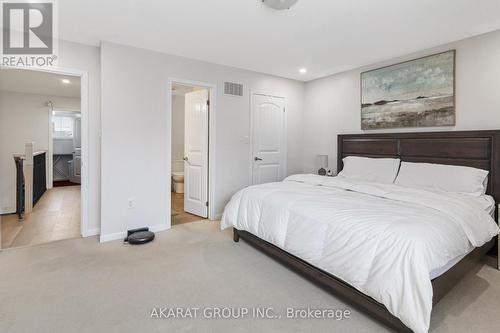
pixel 212 88
pixel 85 175
pixel 122 234
pixel 92 232
pixel 159 228
pixel 66 110
pixel 50 160
pixel 7 210
pixel 285 135
pixel 84 109
pixel 111 237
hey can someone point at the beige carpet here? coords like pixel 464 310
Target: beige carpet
pixel 79 285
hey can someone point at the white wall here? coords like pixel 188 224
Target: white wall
pixel 332 104
pixel 134 120
pixel 136 135
pixel 177 131
pixel 23 118
pixel 87 58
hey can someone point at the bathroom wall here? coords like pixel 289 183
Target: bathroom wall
pixel 177 133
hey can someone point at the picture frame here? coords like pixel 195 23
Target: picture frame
pixel 413 93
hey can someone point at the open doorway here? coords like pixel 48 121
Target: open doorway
pixel 66 138
pixel 40 157
pixel 190 153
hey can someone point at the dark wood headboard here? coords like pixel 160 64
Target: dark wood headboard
pixel 478 149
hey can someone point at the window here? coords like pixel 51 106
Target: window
pixel 62 126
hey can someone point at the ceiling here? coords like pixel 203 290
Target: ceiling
pixel 36 82
pixel 323 36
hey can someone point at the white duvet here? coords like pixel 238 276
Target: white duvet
pixel 382 239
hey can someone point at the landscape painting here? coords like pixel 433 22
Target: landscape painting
pixel 416 93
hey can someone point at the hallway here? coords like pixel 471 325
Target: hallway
pixel 56 216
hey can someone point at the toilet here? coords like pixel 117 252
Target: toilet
pixel 178 181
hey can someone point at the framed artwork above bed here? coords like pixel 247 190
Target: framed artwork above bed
pixel 415 93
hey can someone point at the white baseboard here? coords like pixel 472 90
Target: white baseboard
pixel 217 216
pixel 92 232
pixel 7 210
pixel 111 237
pixel 121 235
pixel 159 227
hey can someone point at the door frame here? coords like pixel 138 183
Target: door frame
pixel 84 110
pixel 285 134
pixel 212 93
pixel 50 166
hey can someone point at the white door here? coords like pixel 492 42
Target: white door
pixel 268 139
pixel 196 153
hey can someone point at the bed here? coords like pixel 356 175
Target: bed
pixel 342 234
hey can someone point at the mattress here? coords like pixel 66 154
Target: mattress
pixel 443 269
pixel 488 203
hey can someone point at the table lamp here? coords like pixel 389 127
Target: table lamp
pixel 323 164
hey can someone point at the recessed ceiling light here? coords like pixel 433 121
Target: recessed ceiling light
pixel 66 81
pixel 280 4
pixel 303 70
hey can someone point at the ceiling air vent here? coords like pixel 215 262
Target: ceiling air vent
pixel 233 89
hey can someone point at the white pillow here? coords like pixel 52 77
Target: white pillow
pixel 448 178
pixel 380 170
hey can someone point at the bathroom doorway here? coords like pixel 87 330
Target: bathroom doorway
pixel 190 152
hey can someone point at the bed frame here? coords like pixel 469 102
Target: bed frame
pixel 480 149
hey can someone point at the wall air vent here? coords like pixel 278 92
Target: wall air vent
pixel 233 89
